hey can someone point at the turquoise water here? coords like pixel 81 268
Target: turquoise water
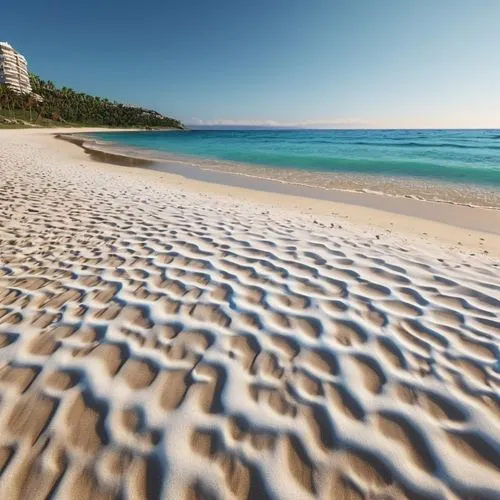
pixel 457 156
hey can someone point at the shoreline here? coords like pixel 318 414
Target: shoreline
pixel 430 189
pixel 472 218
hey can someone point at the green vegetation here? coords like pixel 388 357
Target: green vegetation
pixel 24 118
pixel 49 106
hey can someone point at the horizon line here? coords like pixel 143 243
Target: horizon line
pixel 285 127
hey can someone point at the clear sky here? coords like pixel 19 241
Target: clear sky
pixel 333 63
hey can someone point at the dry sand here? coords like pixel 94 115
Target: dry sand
pixel 166 338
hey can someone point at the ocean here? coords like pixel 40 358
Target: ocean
pixel 460 166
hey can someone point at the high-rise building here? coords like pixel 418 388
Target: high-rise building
pixel 14 69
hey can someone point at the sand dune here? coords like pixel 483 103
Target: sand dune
pixel 156 343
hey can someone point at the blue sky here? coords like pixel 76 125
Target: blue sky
pixel 317 63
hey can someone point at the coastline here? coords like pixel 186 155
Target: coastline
pixel 163 337
pixel 362 206
pixel 411 184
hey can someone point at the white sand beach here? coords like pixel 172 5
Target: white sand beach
pixel 167 338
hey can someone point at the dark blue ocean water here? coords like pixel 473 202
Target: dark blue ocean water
pixel 458 156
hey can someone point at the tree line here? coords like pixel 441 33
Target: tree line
pixel 68 106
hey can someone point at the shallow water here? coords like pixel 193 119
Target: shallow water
pixel 461 166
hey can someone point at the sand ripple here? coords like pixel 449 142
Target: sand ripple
pixel 156 343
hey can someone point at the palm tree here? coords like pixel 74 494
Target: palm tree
pixel 67 105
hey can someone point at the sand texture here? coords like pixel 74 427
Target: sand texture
pixel 161 343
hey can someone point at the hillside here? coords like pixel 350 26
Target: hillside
pixel 49 106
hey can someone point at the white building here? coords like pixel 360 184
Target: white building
pixel 14 69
